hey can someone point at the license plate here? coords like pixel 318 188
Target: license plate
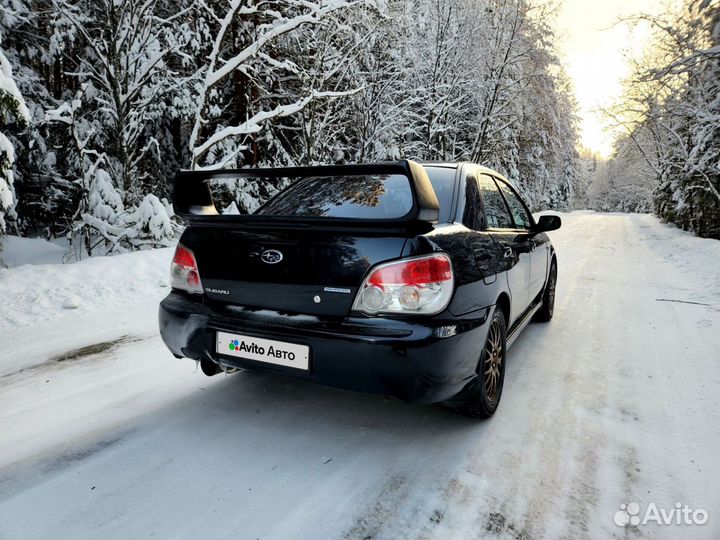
pixel 264 350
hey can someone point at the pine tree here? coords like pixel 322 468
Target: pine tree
pixel 12 111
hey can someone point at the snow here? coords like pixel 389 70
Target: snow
pixel 63 114
pixel 254 124
pixel 105 202
pixel 616 400
pixel 151 219
pixel 232 209
pixel 7 157
pixel 9 87
pixel 148 224
pixel 16 251
pixel 11 104
pixel 36 295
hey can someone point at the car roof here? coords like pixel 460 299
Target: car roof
pixel 440 164
pixel 450 165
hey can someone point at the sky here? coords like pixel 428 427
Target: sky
pixel 592 47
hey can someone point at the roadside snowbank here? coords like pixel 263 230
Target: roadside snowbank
pixel 42 292
pixel 48 309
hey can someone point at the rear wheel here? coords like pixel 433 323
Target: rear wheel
pixel 491 372
pixel 545 313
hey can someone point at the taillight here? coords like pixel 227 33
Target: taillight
pixel 421 285
pixel 184 271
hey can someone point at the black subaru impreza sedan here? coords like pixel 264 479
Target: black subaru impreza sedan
pixel 398 279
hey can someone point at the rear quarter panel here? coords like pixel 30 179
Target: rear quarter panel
pixel 479 278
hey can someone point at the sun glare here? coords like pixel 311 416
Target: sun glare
pixel 593 47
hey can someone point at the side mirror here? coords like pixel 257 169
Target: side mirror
pixel 547 223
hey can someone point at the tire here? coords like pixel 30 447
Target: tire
pixel 491 372
pixel 545 313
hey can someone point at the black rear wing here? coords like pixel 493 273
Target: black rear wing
pixel 193 201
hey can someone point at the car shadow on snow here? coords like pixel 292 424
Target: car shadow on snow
pixel 306 450
pixel 248 395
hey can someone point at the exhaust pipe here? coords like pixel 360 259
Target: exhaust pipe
pixel 209 367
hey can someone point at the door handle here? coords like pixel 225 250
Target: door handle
pixel 508 253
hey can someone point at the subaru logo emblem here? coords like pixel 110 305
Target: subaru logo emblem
pixel 271 256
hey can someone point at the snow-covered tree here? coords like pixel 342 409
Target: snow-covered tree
pixel 380 119
pixel 123 93
pixel 623 183
pixel 149 225
pixel 255 59
pixel 128 74
pixel 482 83
pixel 12 109
pixel 671 111
pixel 126 80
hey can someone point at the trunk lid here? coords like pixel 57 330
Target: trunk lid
pixel 318 273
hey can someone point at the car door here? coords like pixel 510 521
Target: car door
pixel 483 246
pixel 537 242
pixel 514 244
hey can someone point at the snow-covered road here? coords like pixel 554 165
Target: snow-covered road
pixel 617 400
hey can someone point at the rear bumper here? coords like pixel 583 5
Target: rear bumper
pixel 416 362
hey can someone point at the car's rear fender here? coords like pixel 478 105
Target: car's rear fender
pixel 479 280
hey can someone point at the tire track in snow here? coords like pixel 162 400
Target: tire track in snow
pixel 23 475
pixel 80 354
pixel 370 522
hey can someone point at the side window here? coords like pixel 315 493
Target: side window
pixel 472 210
pixel 520 215
pixel 496 210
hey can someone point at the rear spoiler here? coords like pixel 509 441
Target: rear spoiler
pixel 193 201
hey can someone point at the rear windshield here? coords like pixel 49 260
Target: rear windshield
pixel 443 182
pixel 365 197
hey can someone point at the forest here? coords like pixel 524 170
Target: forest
pixel 667 158
pixel 111 97
pixel 103 101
